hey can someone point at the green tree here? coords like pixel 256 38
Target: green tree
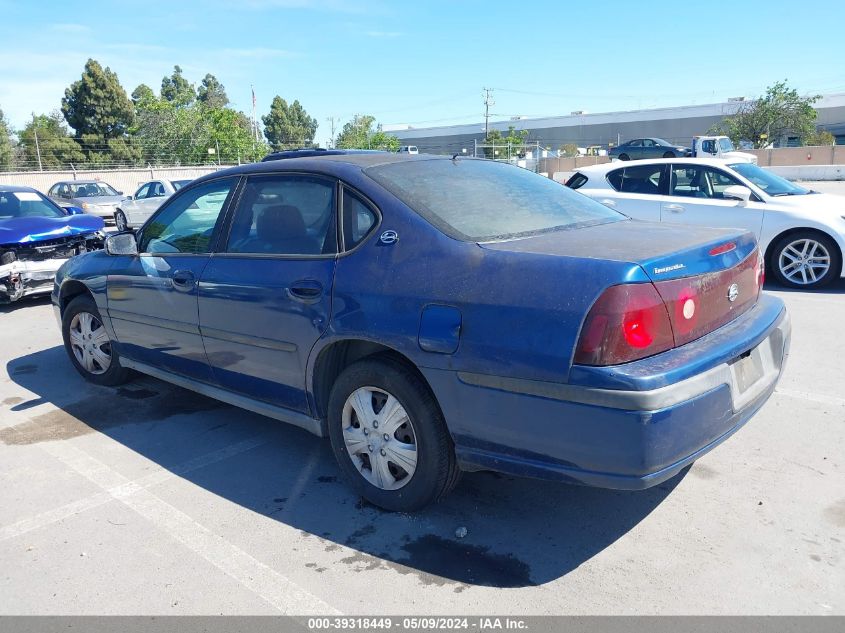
pixel 359 134
pixel 288 126
pixel 569 150
pixel 54 143
pixel 97 103
pixel 177 90
pixel 6 147
pixel 503 147
pixel 768 119
pixel 820 138
pixel 183 135
pixel 142 96
pixel 212 93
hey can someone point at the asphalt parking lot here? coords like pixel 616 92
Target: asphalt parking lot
pixel 148 499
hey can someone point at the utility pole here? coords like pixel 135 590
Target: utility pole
pixel 331 120
pixel 37 148
pixel 488 101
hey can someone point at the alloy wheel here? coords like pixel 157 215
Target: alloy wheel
pixel 120 221
pixel 379 438
pixel 804 261
pixel 90 343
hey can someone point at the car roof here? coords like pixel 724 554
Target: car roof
pixel 315 151
pixel 80 182
pixel 333 163
pixel 19 188
pixel 619 164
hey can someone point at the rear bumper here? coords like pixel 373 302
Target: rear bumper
pixel 629 438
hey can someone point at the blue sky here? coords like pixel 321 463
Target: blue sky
pixel 425 63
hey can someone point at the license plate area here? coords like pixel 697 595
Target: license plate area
pixel 751 373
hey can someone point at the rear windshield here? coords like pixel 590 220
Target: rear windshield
pixel 480 200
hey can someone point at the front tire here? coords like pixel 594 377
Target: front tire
pixel 668 154
pixel 806 259
pixel 120 221
pixel 624 157
pixel 389 436
pixel 88 344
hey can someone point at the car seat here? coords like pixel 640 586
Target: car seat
pixel 281 229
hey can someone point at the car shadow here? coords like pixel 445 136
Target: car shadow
pixel 25 302
pixel 835 287
pixel 519 532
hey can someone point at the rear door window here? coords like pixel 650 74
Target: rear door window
pixel 285 214
pixel 645 179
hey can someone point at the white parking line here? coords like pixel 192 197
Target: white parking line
pixel 813 397
pixel 124 489
pixel 273 587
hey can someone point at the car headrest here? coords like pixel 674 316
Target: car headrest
pixel 282 221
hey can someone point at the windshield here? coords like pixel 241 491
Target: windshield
pixel 26 204
pixel 479 200
pixel 726 145
pixel 91 190
pixel 771 183
pixel 178 184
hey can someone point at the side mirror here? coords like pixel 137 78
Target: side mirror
pixel 120 193
pixel 121 244
pixel 737 192
pixel 130 198
pixel 73 210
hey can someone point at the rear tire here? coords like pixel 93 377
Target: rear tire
pixel 89 346
pixel 624 157
pixel 805 259
pixel 120 221
pixel 389 436
pixel 669 155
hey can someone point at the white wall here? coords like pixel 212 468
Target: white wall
pixel 125 180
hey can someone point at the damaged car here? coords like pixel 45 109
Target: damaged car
pixel 36 238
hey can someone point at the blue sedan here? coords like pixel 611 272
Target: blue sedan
pixel 434 315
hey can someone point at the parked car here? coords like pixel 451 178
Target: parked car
pixel 135 210
pixel 409 149
pixel 92 196
pixel 36 237
pixel 648 148
pixel 306 152
pixel 433 315
pixel 801 232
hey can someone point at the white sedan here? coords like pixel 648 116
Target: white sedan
pixel 135 210
pixel 801 232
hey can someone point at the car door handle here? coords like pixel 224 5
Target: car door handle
pixel 674 208
pixel 306 290
pixel 184 279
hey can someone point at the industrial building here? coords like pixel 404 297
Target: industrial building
pixel 675 124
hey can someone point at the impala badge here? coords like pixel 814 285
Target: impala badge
pixel 733 292
pixel 389 237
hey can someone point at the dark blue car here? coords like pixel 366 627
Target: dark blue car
pixel 434 315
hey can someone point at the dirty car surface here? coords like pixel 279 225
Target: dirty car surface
pixel 36 238
pixel 432 315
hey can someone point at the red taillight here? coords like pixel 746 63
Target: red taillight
pixel 626 323
pixel 632 321
pixel 727 247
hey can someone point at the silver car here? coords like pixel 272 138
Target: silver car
pixel 92 196
pixel 135 210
